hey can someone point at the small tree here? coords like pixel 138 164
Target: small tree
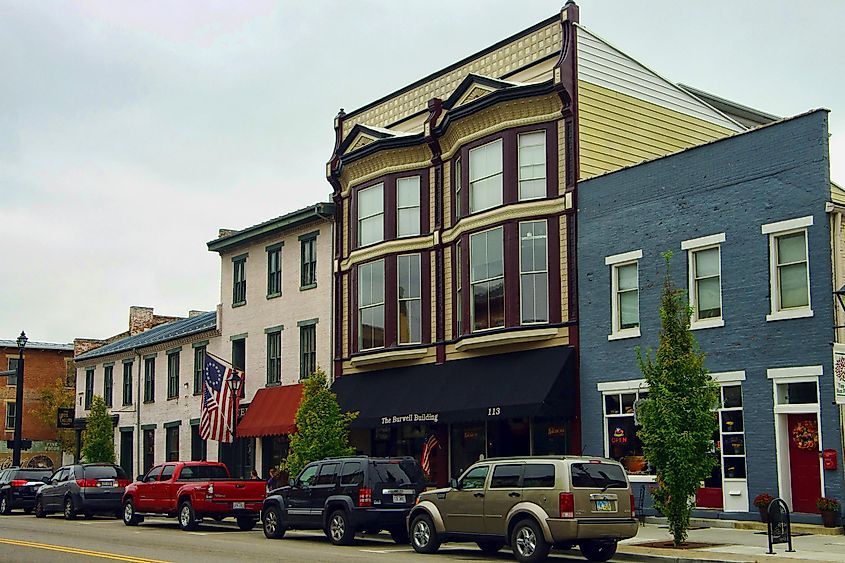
pixel 50 399
pixel 98 438
pixel 677 418
pixel 322 429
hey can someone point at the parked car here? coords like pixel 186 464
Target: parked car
pixel 18 487
pixel 531 504
pixel 88 489
pixel 344 496
pixel 191 491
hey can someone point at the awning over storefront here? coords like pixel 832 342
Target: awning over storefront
pixel 531 383
pixel 271 412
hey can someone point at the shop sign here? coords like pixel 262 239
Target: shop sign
pixel 619 437
pixel 839 373
pixel 413 417
pixel 64 417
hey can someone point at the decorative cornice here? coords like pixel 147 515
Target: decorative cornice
pixel 511 212
pixel 395 246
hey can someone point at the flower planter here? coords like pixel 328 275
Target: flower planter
pixel 829 518
pixel 764 514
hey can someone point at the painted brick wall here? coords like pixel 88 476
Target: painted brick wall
pixel 731 186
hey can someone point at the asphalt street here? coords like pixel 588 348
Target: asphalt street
pixel 25 539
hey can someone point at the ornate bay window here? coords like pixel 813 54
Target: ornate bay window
pixel 408 206
pixel 485 176
pixel 533 272
pixel 487 279
pixel 371 305
pixel 532 165
pixel 371 215
pixel 410 299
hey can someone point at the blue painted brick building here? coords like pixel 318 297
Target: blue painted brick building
pixel 746 220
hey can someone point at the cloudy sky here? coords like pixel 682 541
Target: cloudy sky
pixel 131 131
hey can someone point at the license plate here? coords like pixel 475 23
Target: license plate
pixel 236 505
pixel 604 505
pixel 399 499
pixel 105 483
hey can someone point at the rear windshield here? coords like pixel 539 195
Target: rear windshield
pixel 104 472
pixel 399 472
pixel 598 476
pixel 203 473
pixel 34 474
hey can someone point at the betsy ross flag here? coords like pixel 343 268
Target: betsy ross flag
pixel 425 460
pixel 219 404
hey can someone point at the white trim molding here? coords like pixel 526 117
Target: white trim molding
pixel 699 242
pixel 793 372
pixel 623 257
pixel 706 323
pixel 625 333
pixel 787 225
pixel 728 376
pixel 625 385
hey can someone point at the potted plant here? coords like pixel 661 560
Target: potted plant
pixel 762 502
pixel 829 508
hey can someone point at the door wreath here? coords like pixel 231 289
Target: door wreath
pixel 806 435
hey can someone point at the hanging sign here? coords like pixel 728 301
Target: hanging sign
pixel 839 373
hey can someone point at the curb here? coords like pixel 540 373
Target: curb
pixel 797 527
pixel 627 555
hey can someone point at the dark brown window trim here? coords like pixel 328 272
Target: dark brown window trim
pixel 389 194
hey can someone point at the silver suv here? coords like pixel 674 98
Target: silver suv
pixel 531 504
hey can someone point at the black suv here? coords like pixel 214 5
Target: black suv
pixel 90 488
pixel 344 496
pixel 18 487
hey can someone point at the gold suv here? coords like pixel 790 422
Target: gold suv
pixel 531 504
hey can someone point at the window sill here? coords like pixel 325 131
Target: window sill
pixel 706 323
pixel 273 384
pixel 145 402
pixel 787 314
pixel 238 304
pixel 642 478
pixel 307 287
pixel 388 357
pixel 274 295
pixel 500 338
pixel 623 334
pixel 172 398
pixel 196 394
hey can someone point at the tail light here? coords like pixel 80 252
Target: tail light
pixel 86 482
pixel 633 507
pixel 210 489
pixel 123 482
pixel 18 482
pixel 567 505
pixel 365 497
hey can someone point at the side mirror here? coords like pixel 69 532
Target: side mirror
pixel 46 480
pixel 139 478
pixel 292 482
pixel 454 484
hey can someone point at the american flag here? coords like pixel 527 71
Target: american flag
pixel 219 405
pixel 425 460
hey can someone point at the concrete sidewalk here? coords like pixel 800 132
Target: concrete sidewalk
pixel 731 545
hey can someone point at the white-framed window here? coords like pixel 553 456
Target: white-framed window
pixel 487 279
pixel 458 182
pixel 371 305
pixel 731 432
pixel 533 272
pixel 408 206
pixel 371 215
pixel 532 165
pixel 485 176
pixel 704 257
pixel 619 400
pixel 789 269
pixel 625 294
pixel 409 295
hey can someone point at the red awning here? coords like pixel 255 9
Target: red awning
pixel 271 412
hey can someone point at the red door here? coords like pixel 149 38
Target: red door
pixel 804 462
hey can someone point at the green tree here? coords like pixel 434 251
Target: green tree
pixel 322 429
pixel 98 438
pixel 677 418
pixel 50 399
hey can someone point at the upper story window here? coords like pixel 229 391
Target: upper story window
pixel 274 270
pixel 89 387
pixel 408 206
pixel 127 383
pixel 274 357
pixel 149 380
pixel 625 292
pixel 308 267
pixel 789 268
pixel 173 375
pixel 11 412
pixel 238 280
pixel 458 191
pixel 533 272
pixel 108 385
pixel 410 299
pixel 487 280
pixel 13 366
pixel 371 215
pixel 307 349
pixel 485 176
pixel 199 367
pixel 371 305
pixel 705 280
pixel 532 165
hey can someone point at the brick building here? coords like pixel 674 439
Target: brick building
pixel 44 364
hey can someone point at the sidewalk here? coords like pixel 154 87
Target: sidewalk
pixel 732 545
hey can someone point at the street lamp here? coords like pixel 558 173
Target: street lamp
pixel 16 451
pixel 235 384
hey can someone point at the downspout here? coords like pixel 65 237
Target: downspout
pixel 138 448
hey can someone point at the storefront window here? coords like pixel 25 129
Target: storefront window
pixel 732 433
pixel 467 445
pixel 551 436
pixel 621 440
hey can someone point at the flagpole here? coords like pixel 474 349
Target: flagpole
pixel 227 362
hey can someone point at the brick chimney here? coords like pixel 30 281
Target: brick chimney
pixel 82 345
pixel 140 319
pixel 225 232
pixel 192 313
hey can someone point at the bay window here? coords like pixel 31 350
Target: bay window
pixel 485 176
pixel 532 165
pixel 533 272
pixel 371 305
pixel 458 181
pixel 487 280
pixel 371 215
pixel 408 206
pixel 410 299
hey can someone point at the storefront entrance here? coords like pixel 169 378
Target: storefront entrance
pixel 804 462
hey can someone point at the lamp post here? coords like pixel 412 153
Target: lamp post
pixel 16 451
pixel 235 384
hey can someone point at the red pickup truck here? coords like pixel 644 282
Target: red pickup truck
pixel 190 491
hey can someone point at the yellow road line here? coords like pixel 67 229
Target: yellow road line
pixel 77 551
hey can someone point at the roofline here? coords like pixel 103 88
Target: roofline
pixel 39 346
pixel 322 210
pixel 453 66
pixel 742 110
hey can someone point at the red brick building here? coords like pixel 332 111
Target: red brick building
pixel 44 363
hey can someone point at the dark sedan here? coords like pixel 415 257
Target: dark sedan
pixel 88 489
pixel 18 488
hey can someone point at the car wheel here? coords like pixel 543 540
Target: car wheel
pixel 70 511
pixel 128 515
pixel 39 509
pixel 340 531
pixel 596 550
pixel 187 518
pixel 489 547
pixel 528 543
pixel 399 535
pixel 424 538
pixel 271 521
pixel 5 505
pixel 246 523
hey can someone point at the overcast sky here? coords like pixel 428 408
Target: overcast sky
pixel 131 131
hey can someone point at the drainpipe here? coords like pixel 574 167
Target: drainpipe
pixel 138 447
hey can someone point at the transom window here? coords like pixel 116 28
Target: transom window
pixel 371 305
pixel 485 176
pixel 533 272
pixel 408 206
pixel 792 273
pixel 410 299
pixel 487 279
pixel 371 215
pixel 707 283
pixel 532 165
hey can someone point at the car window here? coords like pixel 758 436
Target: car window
pixel 598 476
pixel 506 476
pixel 31 474
pixel 396 472
pixel 186 474
pixel 57 475
pixel 308 475
pixel 104 472
pixel 327 474
pixel 352 473
pixel 152 474
pixel 538 475
pixel 3 476
pixel 474 478
pixel 69 474
pixel 203 473
pixel 167 473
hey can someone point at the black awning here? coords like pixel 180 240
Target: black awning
pixel 530 383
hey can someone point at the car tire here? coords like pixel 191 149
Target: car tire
pixel 271 522
pixel 528 543
pixel 598 550
pixel 187 518
pixel 399 535
pixel 489 547
pixel 130 518
pixel 340 531
pixel 5 505
pixel 39 509
pixel 246 523
pixel 424 537
pixel 70 511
